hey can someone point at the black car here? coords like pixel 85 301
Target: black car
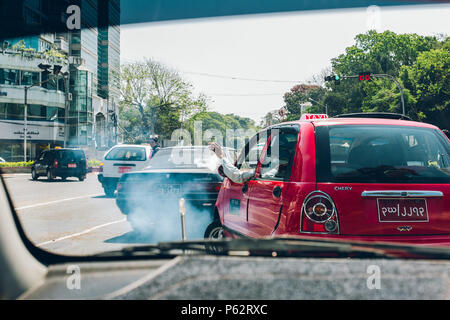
pixel 150 198
pixel 62 163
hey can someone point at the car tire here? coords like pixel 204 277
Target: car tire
pixel 214 230
pixel 34 175
pixel 50 176
pixel 81 178
pixel 64 178
pixel 109 191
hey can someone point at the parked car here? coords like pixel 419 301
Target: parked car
pixel 62 163
pixel 358 178
pixel 119 160
pixel 150 198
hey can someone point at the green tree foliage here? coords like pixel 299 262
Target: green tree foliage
pixel 300 94
pixel 420 63
pixel 152 99
pixel 222 123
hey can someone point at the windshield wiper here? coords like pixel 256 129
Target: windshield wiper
pixel 275 247
pixel 284 247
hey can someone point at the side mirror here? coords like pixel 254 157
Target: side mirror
pixel 220 171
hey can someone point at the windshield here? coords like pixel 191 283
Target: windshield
pixel 381 154
pixel 199 117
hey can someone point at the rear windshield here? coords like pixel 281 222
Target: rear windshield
pixel 186 158
pixel 382 154
pixel 70 155
pixel 127 154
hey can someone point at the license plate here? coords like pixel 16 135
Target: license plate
pixel 124 169
pixel 72 165
pixel 169 188
pixel 402 210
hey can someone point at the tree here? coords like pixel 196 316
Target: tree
pixel 302 93
pixel 420 63
pixel 241 127
pixel 428 81
pixel 152 99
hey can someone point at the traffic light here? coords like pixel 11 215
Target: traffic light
pixel 365 76
pixel 335 78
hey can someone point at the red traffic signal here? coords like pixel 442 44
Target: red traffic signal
pixel 364 76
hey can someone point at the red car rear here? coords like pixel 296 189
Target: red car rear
pixel 350 178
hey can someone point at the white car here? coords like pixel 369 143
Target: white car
pixel 119 160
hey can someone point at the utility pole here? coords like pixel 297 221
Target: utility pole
pixel 44 67
pixel 323 105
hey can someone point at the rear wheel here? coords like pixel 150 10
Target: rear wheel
pixel 214 231
pixel 109 191
pixel 81 178
pixel 64 178
pixel 50 176
pixel 34 176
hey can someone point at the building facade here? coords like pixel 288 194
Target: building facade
pixel 79 110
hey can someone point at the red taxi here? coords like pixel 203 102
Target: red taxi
pixel 358 178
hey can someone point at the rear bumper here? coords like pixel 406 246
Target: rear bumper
pixel 76 172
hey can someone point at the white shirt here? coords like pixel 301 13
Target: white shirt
pixel 234 174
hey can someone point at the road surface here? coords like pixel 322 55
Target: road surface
pixel 72 217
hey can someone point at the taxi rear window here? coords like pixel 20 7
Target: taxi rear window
pixel 127 154
pixel 381 154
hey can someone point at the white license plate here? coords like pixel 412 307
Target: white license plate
pixel 169 188
pixel 72 165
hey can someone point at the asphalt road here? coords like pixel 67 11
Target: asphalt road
pixel 72 217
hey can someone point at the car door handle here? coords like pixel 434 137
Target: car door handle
pixel 245 188
pixel 276 192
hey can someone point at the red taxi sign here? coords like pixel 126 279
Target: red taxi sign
pixel 313 116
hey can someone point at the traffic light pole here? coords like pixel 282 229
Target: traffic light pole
pixel 383 75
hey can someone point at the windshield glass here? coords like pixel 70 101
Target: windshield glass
pixel 380 154
pixel 175 110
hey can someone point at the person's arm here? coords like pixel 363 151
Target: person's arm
pixel 233 173
pixel 236 175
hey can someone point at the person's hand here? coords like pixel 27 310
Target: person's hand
pixel 217 149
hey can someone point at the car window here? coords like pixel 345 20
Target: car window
pixel 248 160
pixel 278 160
pixel 70 154
pixel 187 158
pixel 383 154
pixel 127 154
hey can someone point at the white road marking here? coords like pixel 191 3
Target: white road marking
pixel 80 233
pixel 58 201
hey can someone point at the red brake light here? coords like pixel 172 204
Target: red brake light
pixel 55 164
pixel 319 214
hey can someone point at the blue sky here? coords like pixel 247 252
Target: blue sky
pixel 280 47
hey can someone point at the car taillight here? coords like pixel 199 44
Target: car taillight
pixel 319 214
pixel 55 164
pixel 101 167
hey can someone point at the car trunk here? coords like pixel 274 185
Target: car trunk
pixel 71 160
pixel 193 184
pixel 397 209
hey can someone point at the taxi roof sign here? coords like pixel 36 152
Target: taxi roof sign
pixel 313 116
